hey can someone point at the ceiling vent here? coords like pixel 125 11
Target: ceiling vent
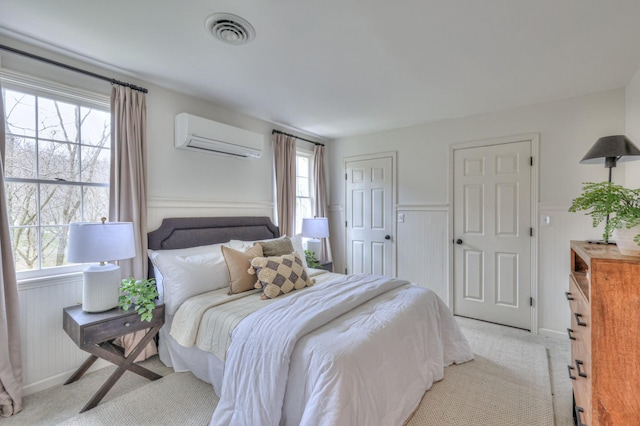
pixel 230 29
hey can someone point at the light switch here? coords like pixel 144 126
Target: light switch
pixel 546 220
pixel 400 217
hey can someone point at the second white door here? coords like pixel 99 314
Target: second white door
pixel 492 242
pixel 369 192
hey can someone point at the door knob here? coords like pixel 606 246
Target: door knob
pixel 458 241
pixel 387 237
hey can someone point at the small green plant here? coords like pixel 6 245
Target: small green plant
pixel 311 259
pixel 140 293
pixel 600 199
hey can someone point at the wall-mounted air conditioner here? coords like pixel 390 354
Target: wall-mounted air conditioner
pixel 207 136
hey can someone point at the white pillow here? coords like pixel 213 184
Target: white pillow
pixel 159 285
pixel 189 272
pixel 297 246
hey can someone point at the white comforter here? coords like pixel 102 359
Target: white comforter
pixel 359 350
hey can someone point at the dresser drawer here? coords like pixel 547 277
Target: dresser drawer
pixel 580 314
pixel 580 332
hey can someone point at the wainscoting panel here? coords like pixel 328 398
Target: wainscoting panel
pixel 49 356
pixel 554 263
pixel 423 249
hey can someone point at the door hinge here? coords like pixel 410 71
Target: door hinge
pixel 531 161
pixel 531 232
pixel 346 224
pixel 345 271
pixel 531 301
pixel 345 176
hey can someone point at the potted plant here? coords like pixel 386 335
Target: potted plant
pixel 620 205
pixel 312 262
pixel 142 294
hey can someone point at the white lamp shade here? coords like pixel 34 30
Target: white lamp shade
pixel 100 242
pixel 317 227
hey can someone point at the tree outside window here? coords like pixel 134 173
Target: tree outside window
pixel 56 171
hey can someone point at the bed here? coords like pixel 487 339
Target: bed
pixel 350 350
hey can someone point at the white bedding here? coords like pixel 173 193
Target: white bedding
pixel 203 364
pixel 354 350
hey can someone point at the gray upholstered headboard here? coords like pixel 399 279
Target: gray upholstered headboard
pixel 177 233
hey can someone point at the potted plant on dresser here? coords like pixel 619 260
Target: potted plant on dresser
pixel 619 207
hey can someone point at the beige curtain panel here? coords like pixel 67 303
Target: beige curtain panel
pixel 128 182
pixel 284 157
pixel 320 196
pixel 10 356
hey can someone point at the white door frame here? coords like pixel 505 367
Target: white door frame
pixel 534 138
pixel 394 203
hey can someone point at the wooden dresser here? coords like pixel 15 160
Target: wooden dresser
pixel 604 295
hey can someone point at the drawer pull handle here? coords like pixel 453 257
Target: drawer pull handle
pixel 571 376
pixel 579 411
pixel 569 297
pixel 580 363
pixel 569 331
pixel 579 321
pixel 127 324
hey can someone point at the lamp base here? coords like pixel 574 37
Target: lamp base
pixel 315 246
pixel 100 287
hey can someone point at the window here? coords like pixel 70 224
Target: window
pixel 56 171
pixel 304 191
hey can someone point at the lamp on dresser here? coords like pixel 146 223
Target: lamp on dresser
pixel 316 229
pixel 613 149
pixel 100 242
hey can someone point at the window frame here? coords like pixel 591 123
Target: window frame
pixel 308 154
pixel 35 86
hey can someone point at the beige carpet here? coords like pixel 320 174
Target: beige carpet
pixel 507 384
pixel 177 399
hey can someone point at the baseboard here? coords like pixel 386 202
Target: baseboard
pixel 552 333
pixel 59 379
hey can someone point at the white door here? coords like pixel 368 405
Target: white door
pixel 492 226
pixel 370 238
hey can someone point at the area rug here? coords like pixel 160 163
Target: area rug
pixel 507 384
pixel 176 399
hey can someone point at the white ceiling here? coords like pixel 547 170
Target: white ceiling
pixel 337 68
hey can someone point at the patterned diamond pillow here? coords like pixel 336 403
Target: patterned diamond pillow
pixel 280 274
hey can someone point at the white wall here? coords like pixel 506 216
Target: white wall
pixel 632 97
pixel 567 130
pixel 180 183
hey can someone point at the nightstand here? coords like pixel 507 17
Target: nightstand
pixel 94 333
pixel 326 265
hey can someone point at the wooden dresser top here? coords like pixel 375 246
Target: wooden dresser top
pixel 588 251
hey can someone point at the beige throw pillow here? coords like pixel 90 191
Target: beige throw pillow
pixel 277 247
pixel 238 263
pixel 280 274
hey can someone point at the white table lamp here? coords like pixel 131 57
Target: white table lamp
pixel 100 242
pixel 315 228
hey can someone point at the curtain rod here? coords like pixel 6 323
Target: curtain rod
pixel 297 137
pixel 72 68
